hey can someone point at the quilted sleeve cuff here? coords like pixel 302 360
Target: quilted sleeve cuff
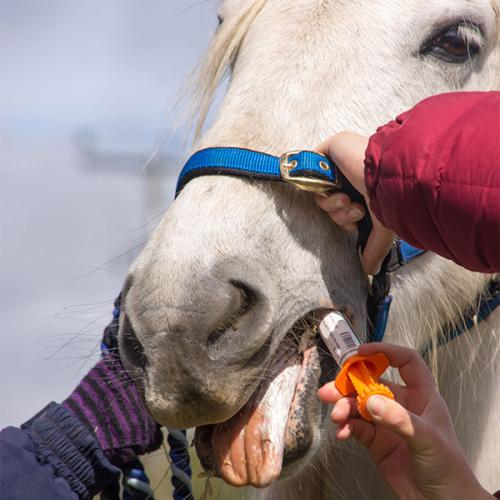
pixel 65 443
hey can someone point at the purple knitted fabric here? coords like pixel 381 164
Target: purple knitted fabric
pixel 107 401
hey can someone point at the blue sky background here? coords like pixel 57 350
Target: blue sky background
pixel 85 93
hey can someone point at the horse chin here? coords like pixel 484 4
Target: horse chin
pixel 277 428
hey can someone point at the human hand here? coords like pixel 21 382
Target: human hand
pixel 108 402
pixel 412 441
pixel 347 150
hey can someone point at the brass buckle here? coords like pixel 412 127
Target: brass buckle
pixel 311 184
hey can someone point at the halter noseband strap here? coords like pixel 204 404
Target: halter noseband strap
pixel 312 171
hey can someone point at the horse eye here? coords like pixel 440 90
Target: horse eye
pixel 455 44
pixel 220 20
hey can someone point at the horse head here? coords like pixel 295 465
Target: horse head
pixel 218 307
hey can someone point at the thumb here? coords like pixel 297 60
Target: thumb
pixel 347 150
pixel 391 415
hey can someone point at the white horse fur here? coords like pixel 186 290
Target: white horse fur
pixel 302 70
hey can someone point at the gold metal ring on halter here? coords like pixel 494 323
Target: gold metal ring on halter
pixel 306 183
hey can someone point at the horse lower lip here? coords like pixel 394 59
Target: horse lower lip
pixel 240 450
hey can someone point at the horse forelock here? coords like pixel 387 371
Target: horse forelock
pixel 217 61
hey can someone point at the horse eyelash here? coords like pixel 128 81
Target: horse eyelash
pixel 471 33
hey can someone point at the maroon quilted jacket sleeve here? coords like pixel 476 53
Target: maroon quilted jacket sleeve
pixel 433 176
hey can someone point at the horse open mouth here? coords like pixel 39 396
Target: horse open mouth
pixel 273 428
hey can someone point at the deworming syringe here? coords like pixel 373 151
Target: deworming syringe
pixel 358 374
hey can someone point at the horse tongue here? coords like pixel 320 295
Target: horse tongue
pixel 248 448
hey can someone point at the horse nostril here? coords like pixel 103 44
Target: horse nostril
pixel 133 350
pixel 248 296
pixel 240 306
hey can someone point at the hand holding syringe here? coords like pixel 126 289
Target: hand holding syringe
pixel 413 441
pixel 358 374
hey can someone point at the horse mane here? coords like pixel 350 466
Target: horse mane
pixel 436 317
pixel 218 59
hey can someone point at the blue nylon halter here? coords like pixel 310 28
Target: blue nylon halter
pixel 256 165
pixel 252 164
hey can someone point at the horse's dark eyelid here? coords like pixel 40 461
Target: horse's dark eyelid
pixel 432 45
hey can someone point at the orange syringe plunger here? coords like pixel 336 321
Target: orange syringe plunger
pixel 358 374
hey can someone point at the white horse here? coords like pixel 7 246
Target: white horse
pixel 213 304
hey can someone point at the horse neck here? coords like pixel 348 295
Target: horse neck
pixel 429 295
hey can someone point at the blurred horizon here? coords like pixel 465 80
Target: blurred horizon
pixel 84 100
